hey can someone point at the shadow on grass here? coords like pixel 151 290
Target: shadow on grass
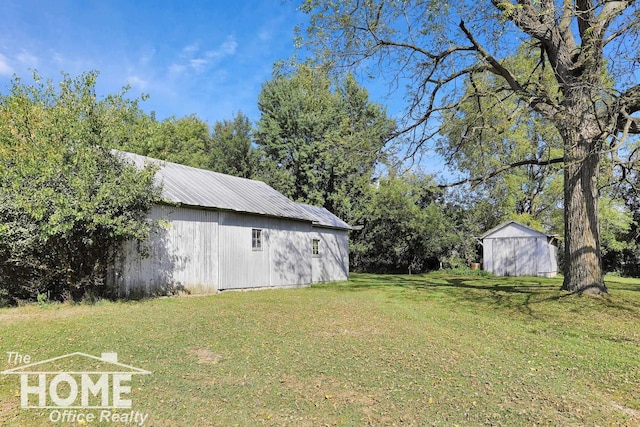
pixel 521 294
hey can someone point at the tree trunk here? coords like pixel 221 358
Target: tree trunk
pixel 583 258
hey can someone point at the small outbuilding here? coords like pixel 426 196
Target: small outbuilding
pixel 223 232
pixel 514 249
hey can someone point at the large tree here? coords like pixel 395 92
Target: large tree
pixel 434 47
pixel 231 150
pixel 486 132
pixel 320 141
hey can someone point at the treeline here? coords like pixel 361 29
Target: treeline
pixel 67 201
pixel 324 142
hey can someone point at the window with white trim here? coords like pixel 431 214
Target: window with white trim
pixel 315 247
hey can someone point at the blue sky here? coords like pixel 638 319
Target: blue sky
pixel 207 58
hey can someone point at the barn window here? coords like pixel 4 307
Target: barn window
pixel 256 239
pixel 316 247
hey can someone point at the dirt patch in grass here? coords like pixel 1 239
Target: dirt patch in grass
pixel 323 388
pixel 9 411
pixel 204 355
pixel 634 413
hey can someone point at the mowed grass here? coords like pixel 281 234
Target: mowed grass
pixel 419 350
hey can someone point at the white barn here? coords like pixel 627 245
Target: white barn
pixel 513 249
pixel 222 232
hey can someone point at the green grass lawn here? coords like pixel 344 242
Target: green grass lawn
pixel 426 350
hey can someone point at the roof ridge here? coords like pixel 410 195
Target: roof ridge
pixel 511 221
pixel 192 186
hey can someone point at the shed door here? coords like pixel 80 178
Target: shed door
pixel 515 256
pixel 527 255
pixel 504 260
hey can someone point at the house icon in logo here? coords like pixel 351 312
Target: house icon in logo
pixel 76 380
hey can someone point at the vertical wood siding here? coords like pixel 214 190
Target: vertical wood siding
pixel 290 252
pixel 240 265
pixel 204 251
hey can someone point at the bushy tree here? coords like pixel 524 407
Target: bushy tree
pixel 66 203
pixel 183 140
pixel 406 228
pixel 320 141
pixel 231 150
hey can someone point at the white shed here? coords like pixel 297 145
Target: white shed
pixel 223 232
pixel 513 249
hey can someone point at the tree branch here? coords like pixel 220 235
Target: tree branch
pixel 627 104
pixel 539 103
pixel 504 168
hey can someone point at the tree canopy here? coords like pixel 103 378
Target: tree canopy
pixel 320 142
pixel 231 149
pixel 435 47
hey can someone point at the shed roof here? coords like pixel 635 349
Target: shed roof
pixel 202 188
pixel 325 218
pixel 513 224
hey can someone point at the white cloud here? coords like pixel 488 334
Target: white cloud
pixel 192 58
pixel 198 64
pixel 5 67
pixel 265 35
pixel 147 56
pixel 58 58
pixel 176 68
pixel 227 48
pixel 190 49
pixel 137 82
pixel 27 59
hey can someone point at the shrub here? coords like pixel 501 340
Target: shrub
pixel 66 203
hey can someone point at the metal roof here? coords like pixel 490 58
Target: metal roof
pixel 198 187
pixel 510 222
pixel 324 217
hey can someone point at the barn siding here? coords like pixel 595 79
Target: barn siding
pixel 283 261
pixel 240 265
pixel 333 260
pixel 514 256
pixel 487 256
pixel 290 252
pixel 183 253
pixel 204 251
